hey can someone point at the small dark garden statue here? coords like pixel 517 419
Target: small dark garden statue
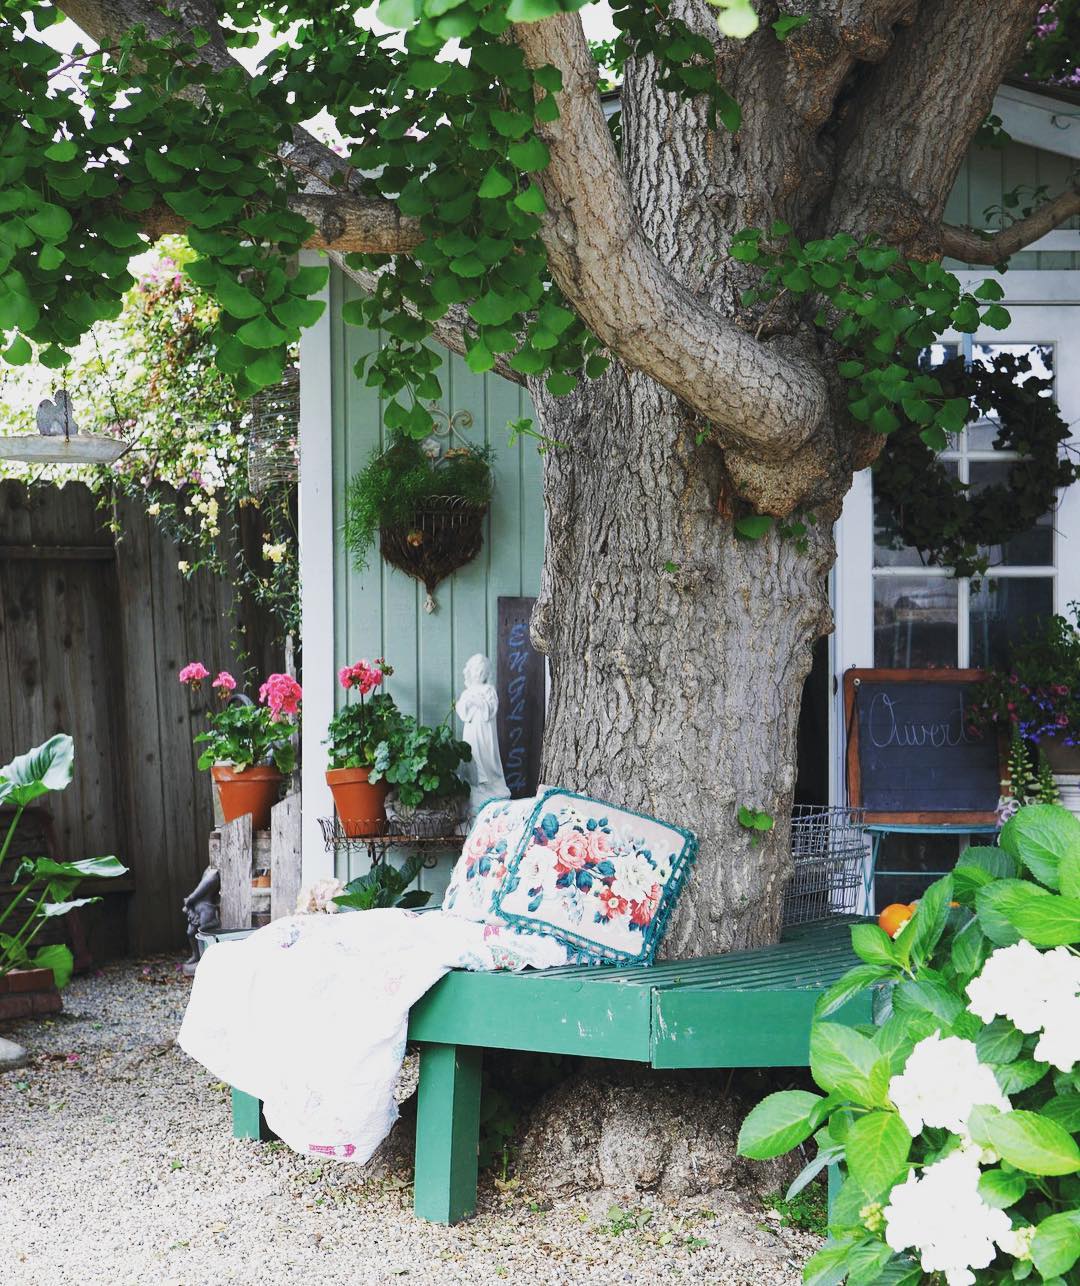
pixel 202 906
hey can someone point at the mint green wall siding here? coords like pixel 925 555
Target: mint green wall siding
pixel 988 173
pixel 380 611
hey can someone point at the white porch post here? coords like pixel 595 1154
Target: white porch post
pixel 316 581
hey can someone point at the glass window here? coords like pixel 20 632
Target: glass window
pixel 1002 611
pixel 915 621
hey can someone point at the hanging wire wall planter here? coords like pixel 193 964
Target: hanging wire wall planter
pixel 274 434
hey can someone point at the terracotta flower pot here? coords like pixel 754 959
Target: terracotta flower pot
pixel 361 804
pixel 253 790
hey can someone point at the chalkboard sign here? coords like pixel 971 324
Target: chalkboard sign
pixel 912 755
pixel 522 698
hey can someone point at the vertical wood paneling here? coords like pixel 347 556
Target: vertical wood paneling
pixel 380 610
pixel 92 647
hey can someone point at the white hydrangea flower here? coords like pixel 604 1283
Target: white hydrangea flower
pixel 1060 1042
pixel 1038 992
pixel 1018 1242
pixel 941 1216
pixel 941 1083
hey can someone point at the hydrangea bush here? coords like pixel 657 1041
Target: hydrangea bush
pixel 953 1118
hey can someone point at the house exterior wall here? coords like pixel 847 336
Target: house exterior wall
pixel 379 611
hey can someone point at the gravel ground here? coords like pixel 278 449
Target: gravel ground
pixel 117 1167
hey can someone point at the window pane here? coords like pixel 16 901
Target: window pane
pixel 1032 548
pixel 914 621
pixel 980 436
pixel 907 864
pixel 889 548
pixel 1005 610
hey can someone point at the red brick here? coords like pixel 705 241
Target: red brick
pixel 46 1002
pixel 26 980
pixel 21 1006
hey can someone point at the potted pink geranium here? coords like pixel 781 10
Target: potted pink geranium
pixel 353 737
pixel 248 746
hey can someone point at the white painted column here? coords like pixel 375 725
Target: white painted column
pixel 316 503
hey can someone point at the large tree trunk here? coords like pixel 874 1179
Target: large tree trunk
pixel 677 648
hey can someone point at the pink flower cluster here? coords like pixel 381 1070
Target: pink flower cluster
pixel 224 684
pixel 363 675
pixel 194 673
pixel 282 694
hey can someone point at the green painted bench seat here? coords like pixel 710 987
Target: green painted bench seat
pixel 746 1009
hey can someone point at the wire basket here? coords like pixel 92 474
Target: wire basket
pixel 274 434
pixel 829 850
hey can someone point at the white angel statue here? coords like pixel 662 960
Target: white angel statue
pixel 477 707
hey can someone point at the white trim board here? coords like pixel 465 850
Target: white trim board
pixel 1046 123
pixel 316 580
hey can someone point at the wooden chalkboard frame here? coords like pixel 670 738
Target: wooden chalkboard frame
pixel 855 677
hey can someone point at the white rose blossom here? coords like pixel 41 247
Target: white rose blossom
pixel 941 1216
pixel 317 897
pixel 941 1083
pixel 1038 992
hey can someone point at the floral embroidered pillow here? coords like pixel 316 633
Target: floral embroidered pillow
pixel 479 871
pixel 601 879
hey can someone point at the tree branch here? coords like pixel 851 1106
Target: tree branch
pixel 973 246
pixel 450 330
pixel 907 126
pixel 344 220
pixel 760 394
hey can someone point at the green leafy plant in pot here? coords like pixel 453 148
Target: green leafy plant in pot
pixel 354 736
pixel 385 885
pixel 248 747
pixel 43 888
pixel 421 764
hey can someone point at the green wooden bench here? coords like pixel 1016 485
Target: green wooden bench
pixel 747 1009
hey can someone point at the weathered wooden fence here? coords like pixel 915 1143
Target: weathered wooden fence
pixel 93 629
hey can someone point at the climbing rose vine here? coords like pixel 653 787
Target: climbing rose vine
pixel 952 1117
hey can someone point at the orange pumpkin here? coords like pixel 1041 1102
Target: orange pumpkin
pixel 895 916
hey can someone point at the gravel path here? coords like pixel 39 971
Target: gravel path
pixel 117 1169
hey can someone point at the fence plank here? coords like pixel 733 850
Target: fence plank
pixel 284 856
pixel 234 863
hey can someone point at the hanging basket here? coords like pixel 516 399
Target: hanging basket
pixel 440 538
pixel 274 434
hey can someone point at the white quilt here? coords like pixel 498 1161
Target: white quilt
pixel 310 1013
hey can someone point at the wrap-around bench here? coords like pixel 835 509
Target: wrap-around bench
pixel 746 1009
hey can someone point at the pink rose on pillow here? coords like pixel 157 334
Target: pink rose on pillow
pixel 573 852
pixel 642 912
pixel 600 846
pixel 611 904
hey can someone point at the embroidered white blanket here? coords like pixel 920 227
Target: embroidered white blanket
pixel 310 1014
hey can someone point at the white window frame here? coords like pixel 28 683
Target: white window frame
pixel 1044 307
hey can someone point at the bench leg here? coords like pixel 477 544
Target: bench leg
pixel 248 1121
pixel 447 1132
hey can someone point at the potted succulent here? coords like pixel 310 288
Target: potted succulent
pixel 354 736
pixel 1037 695
pixel 421 763
pixel 248 747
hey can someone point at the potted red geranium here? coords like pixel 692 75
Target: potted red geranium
pixel 248 747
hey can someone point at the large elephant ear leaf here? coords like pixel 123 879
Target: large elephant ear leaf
pixel 46 767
